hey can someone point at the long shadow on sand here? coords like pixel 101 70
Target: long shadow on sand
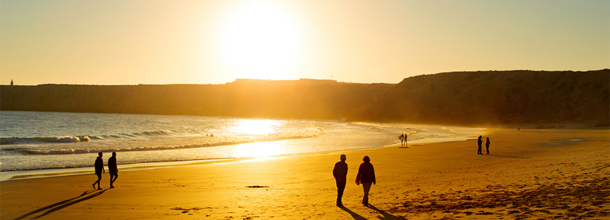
pixel 386 216
pixel 89 194
pixel 354 215
pixel 508 156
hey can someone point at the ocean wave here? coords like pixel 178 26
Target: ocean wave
pixel 63 139
pixel 448 129
pixel 81 138
pixel 232 140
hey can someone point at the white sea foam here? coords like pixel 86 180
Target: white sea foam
pixel 42 140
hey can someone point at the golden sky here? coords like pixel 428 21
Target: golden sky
pixel 214 41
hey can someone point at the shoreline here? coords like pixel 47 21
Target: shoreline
pixel 439 180
pixel 12 175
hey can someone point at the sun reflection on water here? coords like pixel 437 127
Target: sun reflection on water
pixel 257 127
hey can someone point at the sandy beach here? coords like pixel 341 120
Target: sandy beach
pixel 529 174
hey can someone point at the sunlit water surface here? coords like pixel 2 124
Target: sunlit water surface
pixel 52 142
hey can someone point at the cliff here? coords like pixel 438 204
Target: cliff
pixel 242 98
pixel 497 97
pixel 462 98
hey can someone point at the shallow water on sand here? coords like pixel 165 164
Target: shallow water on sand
pixel 54 140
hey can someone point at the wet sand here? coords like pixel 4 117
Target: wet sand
pixel 528 175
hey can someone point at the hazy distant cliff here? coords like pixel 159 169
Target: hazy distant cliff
pixel 467 98
pixel 505 97
pixel 316 99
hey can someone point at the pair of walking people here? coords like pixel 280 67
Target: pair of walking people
pixel 112 169
pixel 479 142
pixel 366 176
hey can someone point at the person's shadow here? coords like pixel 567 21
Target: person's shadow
pixel 354 215
pixel 89 194
pixel 386 216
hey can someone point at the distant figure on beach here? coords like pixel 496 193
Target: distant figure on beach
pixel 113 169
pixel 99 168
pixel 480 142
pixel 340 174
pixel 487 143
pixel 406 139
pixel 403 139
pixel 366 176
pixel 11 82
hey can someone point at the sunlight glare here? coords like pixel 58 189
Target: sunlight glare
pixel 259 127
pixel 259 149
pixel 261 40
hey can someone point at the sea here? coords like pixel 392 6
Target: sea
pixel 43 144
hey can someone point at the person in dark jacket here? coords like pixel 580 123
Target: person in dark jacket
pixel 340 174
pixel 99 168
pixel 113 169
pixel 487 143
pixel 366 176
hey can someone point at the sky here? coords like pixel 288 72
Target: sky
pixel 118 42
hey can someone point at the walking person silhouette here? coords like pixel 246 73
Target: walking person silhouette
pixel 113 169
pixel 366 176
pixel 487 143
pixel 340 174
pixel 99 168
pixel 480 142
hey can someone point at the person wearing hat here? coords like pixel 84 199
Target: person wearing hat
pixel 366 176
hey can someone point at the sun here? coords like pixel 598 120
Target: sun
pixel 262 41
